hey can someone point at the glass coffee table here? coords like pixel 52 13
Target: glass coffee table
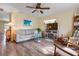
pixel 66 49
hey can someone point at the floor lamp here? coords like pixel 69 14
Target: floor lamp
pixel 10 27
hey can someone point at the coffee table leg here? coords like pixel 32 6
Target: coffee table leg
pixel 55 51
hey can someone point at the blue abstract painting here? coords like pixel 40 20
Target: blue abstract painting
pixel 27 22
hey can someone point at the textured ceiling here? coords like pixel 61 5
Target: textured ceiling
pixel 54 8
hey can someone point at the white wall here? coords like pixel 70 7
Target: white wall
pixel 18 18
pixel 2 26
pixel 65 21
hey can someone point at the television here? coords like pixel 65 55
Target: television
pixel 52 26
pixel 27 22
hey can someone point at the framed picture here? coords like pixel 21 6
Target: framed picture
pixel 27 22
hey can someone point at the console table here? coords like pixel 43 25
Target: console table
pixel 52 33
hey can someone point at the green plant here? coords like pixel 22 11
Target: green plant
pixel 39 30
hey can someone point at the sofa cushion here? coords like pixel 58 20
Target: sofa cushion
pixel 24 34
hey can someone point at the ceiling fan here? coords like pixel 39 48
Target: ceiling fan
pixel 38 7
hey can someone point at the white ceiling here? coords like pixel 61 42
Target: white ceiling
pixel 54 8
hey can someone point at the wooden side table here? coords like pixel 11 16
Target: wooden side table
pixel 73 42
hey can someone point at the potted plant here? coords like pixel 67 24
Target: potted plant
pixel 39 30
pixel 39 34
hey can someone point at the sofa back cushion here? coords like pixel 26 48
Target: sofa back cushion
pixel 25 31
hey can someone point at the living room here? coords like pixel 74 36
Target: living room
pixel 25 19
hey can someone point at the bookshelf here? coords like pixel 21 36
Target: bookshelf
pixel 76 21
pixel 52 29
pixel 76 26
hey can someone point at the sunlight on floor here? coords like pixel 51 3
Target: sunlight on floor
pixel 47 50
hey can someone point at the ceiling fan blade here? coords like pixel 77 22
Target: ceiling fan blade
pixel 41 11
pixel 30 7
pixel 45 8
pixel 1 9
pixel 33 11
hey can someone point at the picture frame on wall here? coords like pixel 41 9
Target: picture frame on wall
pixel 27 22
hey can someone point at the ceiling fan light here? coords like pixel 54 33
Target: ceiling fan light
pixel 38 10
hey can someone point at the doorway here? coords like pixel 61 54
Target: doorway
pixel 10 33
